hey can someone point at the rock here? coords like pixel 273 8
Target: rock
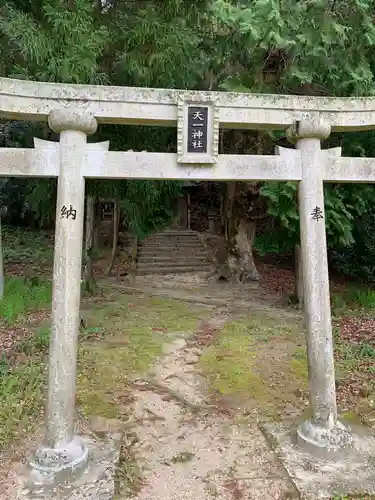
pixel 298 393
pixel 190 358
pixel 176 345
pixel 100 424
pixel 364 391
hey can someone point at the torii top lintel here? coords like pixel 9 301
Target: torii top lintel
pixel 20 99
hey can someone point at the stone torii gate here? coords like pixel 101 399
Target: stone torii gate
pixel 74 111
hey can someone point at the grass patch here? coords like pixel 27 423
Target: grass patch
pixel 353 298
pixel 298 368
pixel 134 333
pixel 22 295
pixel 25 245
pixel 21 391
pixel 36 344
pixel 362 297
pixel 350 355
pixel 121 339
pixel 128 478
pixel 346 497
pixel 182 458
pixel 256 359
pixel 22 386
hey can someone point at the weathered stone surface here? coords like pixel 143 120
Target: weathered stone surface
pixel 171 253
pixel 51 466
pixel 323 430
pixel 129 105
pixel 96 483
pixel 348 472
pixel 66 295
pixel 61 120
pixel 73 111
pixel 130 165
pixel 326 439
pixel 64 456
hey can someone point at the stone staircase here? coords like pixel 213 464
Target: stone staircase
pixel 172 252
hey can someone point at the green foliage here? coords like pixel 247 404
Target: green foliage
pixel 319 45
pixel 23 295
pixel 317 48
pixel 21 395
pixel 160 46
pixel 27 246
pixel 145 205
pixel 273 242
pixel 25 197
pixel 358 260
pixel 305 47
pixel 282 197
pixel 55 43
pixel 343 205
pixel 37 343
pixel 156 208
pixel 339 216
pixel 366 351
pixel 355 297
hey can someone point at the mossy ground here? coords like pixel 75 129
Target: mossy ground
pixel 258 362
pixel 132 331
pixel 121 338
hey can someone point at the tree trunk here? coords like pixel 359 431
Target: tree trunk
pixel 1 265
pixel 244 238
pixel 188 211
pixel 229 200
pixel 89 284
pixel 116 224
pixel 222 215
pixel 97 227
pixel 298 275
pixel 237 264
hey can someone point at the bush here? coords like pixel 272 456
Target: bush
pixel 358 259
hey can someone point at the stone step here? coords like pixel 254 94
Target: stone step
pixel 171 248
pixel 171 255
pixel 172 258
pixel 190 234
pixel 170 241
pixel 192 237
pixel 172 252
pixel 177 232
pixel 163 262
pixel 161 252
pixel 179 263
pixel 173 270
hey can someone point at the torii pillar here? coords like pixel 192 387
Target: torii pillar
pixel 323 430
pixel 64 455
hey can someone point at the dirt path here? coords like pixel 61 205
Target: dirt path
pixel 186 449
pixel 195 288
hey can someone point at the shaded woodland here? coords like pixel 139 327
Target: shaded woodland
pixel 302 48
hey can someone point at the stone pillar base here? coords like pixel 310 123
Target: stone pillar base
pixel 326 439
pixel 350 471
pixel 50 467
pixel 98 482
